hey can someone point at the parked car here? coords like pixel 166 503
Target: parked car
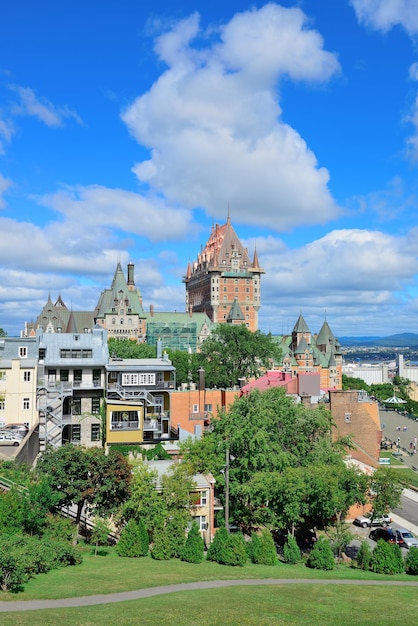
pixel 366 520
pixel 387 534
pixel 9 439
pixel 410 540
pixel 20 430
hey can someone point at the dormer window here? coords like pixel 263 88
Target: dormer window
pixel 23 352
pixel 76 337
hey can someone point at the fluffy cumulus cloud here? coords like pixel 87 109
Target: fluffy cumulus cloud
pixel 116 208
pixel 342 272
pixel 212 121
pixel 384 14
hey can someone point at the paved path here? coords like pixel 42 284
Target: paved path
pixel 33 605
pixel 390 421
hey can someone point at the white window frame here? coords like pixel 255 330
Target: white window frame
pixel 201 522
pixel 23 352
pixel 347 418
pixel 26 404
pixel 138 379
pixel 27 376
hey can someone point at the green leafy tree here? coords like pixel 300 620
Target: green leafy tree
pixel 263 551
pixel 133 541
pixel 291 551
pixel 385 491
pixel 233 352
pixel 3 333
pixel 145 502
pixel 100 533
pixel 340 536
pixel 193 549
pixel 12 572
pixel 386 558
pixel 348 382
pixel 322 556
pixel 129 349
pixel 39 500
pixel 11 512
pixel 411 562
pixel 364 556
pixel 235 552
pixel 218 545
pixel 87 478
pixel 162 549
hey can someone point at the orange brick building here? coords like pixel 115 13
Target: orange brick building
pixel 196 407
pixel 224 283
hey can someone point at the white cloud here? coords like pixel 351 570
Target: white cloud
pixel 5 184
pixel 385 14
pixel 357 276
pixel 41 108
pixel 6 133
pixel 116 208
pixel 212 121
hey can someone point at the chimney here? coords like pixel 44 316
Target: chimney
pixel 159 349
pixel 131 280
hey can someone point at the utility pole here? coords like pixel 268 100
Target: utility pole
pixel 227 489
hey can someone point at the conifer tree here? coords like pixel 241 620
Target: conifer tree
pixel 192 551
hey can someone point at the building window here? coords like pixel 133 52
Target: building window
pixel 76 433
pixel 26 404
pixel 26 377
pixel 195 408
pixel 138 379
pixel 65 353
pixel 97 376
pixel 95 405
pixel 203 498
pixel 95 432
pixel 2 405
pixel 42 352
pixel 76 409
pixel 347 418
pixel 23 352
pixel 208 408
pixel 124 420
pixel 200 521
pixel 64 376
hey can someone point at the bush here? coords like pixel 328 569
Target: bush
pixel 411 562
pixel 218 545
pixel 291 551
pixel 364 556
pixel 322 556
pixel 12 573
pixel 162 548
pixel 386 558
pixel 133 540
pixel 228 549
pixel 262 549
pixel 58 527
pixel 193 549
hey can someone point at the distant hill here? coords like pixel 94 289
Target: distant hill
pixel 402 340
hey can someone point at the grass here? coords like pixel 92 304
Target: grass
pixel 406 475
pixel 260 605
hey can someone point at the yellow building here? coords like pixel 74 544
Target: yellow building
pixel 18 372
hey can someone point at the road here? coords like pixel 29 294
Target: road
pixel 408 510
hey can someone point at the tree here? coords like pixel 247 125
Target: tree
pixel 133 540
pixel 411 562
pixel 263 551
pixel 364 556
pixel 193 548
pixel 355 384
pixel 87 478
pixel 291 551
pixel 233 352
pixel 321 556
pixel 100 533
pixel 386 558
pixel 385 491
pixel 129 349
pixel 39 500
pixel 3 333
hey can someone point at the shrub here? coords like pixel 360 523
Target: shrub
pixel 162 548
pixel 235 552
pixel 263 550
pixel 192 551
pixel 322 556
pixel 58 527
pixel 291 551
pixel 12 573
pixel 386 558
pixel 411 562
pixel 228 549
pixel 364 556
pixel 133 540
pixel 253 547
pixel 217 547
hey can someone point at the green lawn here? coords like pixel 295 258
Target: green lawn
pixel 406 475
pixel 112 574
pixel 241 606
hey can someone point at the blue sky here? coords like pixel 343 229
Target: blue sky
pixel 128 128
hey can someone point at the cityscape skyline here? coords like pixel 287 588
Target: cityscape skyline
pixel 127 132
